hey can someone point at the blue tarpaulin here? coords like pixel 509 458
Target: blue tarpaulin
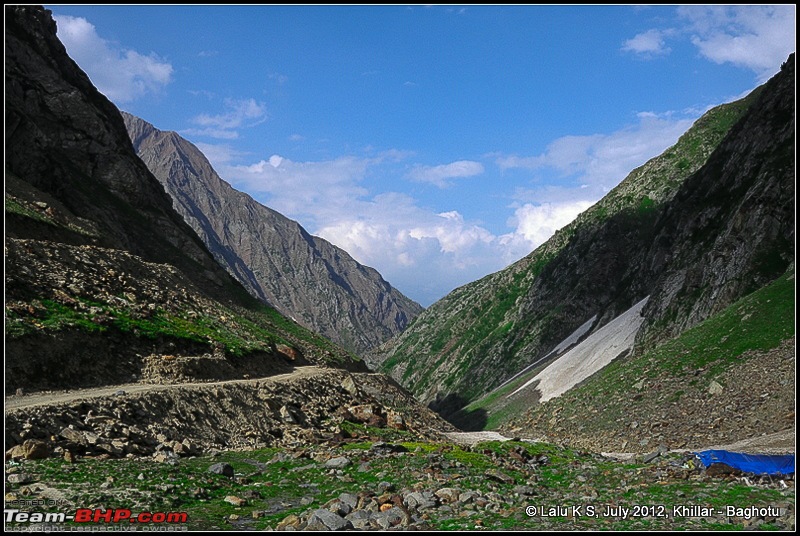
pixel 760 464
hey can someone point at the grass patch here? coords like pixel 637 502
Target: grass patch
pixel 275 483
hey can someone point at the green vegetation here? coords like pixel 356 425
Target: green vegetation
pixel 18 207
pixel 274 484
pixel 760 321
pixel 475 334
pixel 13 206
pixel 285 328
pixel 237 334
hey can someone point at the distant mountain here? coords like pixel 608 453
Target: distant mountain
pixel 100 270
pixel 305 277
pixel 694 229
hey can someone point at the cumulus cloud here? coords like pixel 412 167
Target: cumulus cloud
pixel 311 189
pixel 439 175
pixel 122 75
pixel 238 113
pixel 648 44
pixel 534 224
pixel 403 240
pixel 756 37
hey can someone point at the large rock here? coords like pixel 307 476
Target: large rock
pixel 222 468
pixel 326 520
pixel 339 462
pixel 30 449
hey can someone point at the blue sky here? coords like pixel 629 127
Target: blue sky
pixel 436 144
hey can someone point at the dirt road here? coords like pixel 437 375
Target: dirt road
pixel 45 398
pixel 779 442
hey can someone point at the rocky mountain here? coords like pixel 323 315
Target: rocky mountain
pixel 304 277
pixel 100 269
pixel 692 230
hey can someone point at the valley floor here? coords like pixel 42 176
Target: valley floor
pixel 346 471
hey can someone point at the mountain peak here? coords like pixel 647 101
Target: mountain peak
pixel 305 277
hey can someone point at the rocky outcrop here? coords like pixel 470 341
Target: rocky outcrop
pixel 100 269
pixel 731 228
pixel 696 228
pixel 66 142
pixel 303 276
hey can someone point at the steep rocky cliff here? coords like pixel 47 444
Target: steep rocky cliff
pixel 303 276
pixel 696 228
pixel 100 269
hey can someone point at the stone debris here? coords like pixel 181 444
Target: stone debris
pixel 31 449
pixel 235 501
pixel 340 462
pixel 714 408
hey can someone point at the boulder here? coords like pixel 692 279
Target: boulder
pixel 222 468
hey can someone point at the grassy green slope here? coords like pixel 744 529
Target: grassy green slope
pixel 472 339
pixel 678 372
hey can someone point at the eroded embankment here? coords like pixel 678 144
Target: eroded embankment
pixel 308 404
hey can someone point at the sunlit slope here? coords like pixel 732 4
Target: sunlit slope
pixel 647 235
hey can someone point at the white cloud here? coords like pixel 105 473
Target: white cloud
pixel 219 155
pixel 534 224
pixel 452 232
pixel 311 189
pixel 756 37
pixel 239 113
pixel 425 252
pixel 599 162
pixel 422 253
pixel 648 44
pixel 122 75
pixel 438 175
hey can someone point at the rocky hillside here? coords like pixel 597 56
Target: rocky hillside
pixel 706 222
pixel 100 269
pixel 303 276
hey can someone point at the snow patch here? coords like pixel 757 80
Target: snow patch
pixel 575 336
pixel 571 339
pixel 597 351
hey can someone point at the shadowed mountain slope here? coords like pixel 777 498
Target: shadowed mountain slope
pixel 100 269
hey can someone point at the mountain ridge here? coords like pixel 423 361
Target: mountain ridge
pixel 305 277
pixel 613 255
pixel 101 272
